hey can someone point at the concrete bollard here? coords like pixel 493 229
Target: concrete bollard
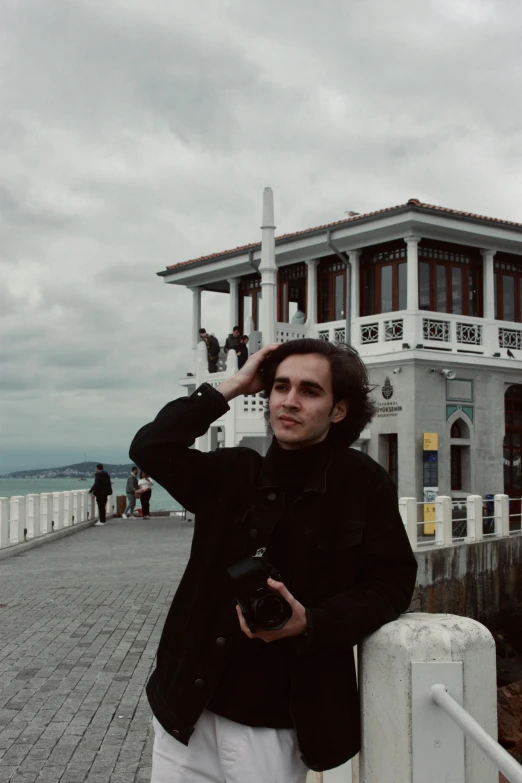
pixel 405 737
pixel 408 512
pixel 45 513
pixel 32 516
pixel 67 509
pixel 83 505
pixel 4 523
pixel 75 506
pixel 57 510
pixel 474 517
pixel 92 508
pixel 17 519
pixel 443 521
pixel 501 515
pixel 109 508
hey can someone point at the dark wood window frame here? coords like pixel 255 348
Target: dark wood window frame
pixel 456 467
pixel 372 263
pixel 290 280
pixel 249 286
pixel 450 258
pixel 327 272
pixel 506 266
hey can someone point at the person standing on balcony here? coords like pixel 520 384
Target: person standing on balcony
pixel 233 340
pixel 242 353
pixel 212 349
pixel 130 489
pixel 231 704
pixel 101 489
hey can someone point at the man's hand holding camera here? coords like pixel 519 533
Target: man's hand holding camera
pixel 295 626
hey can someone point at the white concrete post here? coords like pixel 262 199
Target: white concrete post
pixel 404 736
pixel 268 271
pixel 443 521
pixel 196 314
pixel 91 506
pixel 58 510
pixel 67 508
pixel 4 522
pixel 32 516
pixel 408 512
pixel 233 314
pixel 501 515
pixel 412 300
pixel 75 506
pixel 45 513
pixel 17 519
pixel 489 283
pixel 83 497
pixel 353 294
pixel 231 366
pixel 201 362
pixel 311 291
pixel 474 518
pixel 109 508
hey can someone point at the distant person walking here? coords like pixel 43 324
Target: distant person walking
pixel 101 489
pixel 145 483
pixel 212 349
pixel 130 489
pixel 242 352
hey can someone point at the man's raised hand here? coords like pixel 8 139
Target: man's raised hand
pixel 249 379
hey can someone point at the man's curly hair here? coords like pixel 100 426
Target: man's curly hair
pixel 349 382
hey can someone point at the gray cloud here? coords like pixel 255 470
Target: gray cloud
pixel 135 134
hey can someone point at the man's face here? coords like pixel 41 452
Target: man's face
pixel 203 335
pixel 236 332
pixel 301 401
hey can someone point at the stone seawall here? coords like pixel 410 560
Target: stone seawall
pixel 480 580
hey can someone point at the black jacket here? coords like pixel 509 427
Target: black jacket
pixel 232 343
pixel 102 484
pixel 352 568
pixel 212 348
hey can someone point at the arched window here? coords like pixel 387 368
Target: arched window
pixel 455 431
pixel 512 441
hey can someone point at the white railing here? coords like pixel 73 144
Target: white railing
pixel 461 521
pixel 286 332
pixel 26 517
pixel 429 703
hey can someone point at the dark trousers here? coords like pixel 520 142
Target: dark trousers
pixel 213 365
pixel 145 502
pixel 101 501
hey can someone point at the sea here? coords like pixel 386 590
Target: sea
pixel 160 500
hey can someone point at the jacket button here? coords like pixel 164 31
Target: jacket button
pixel 175 733
pixel 220 641
pixel 271 496
pixel 254 533
pixel 199 683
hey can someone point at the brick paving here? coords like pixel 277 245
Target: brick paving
pixel 80 620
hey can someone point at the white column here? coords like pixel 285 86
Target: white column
pixel 17 519
pixel 196 314
pixel 83 505
pixel 489 283
pixel 412 297
pixel 408 512
pixel 268 271
pixel 404 736
pixel 4 522
pixel 311 291
pixel 352 294
pixel 443 521
pixel 233 315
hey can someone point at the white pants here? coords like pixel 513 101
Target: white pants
pixel 221 751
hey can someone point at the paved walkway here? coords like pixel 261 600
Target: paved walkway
pixel 80 621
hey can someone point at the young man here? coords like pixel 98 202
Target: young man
pixel 132 486
pixel 233 340
pixel 234 705
pixel 212 349
pixel 101 489
pixel 242 352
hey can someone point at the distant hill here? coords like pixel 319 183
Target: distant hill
pixel 72 471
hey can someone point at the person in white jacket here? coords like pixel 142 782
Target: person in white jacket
pixel 145 483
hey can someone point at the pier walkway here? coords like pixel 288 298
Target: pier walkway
pixel 80 620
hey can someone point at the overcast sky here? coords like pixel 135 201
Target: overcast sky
pixel 138 133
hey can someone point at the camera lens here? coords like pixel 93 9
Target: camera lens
pixel 269 611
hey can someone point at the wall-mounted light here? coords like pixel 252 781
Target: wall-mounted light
pixel 396 370
pixel 449 374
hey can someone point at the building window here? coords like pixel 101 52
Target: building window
pixel 456 431
pixel 456 467
pixel 450 278
pixel 383 279
pixel 331 279
pixel 249 301
pixel 508 287
pixel 291 287
pixel 393 458
pixel 512 441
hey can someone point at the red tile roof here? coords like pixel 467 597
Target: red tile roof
pixel 417 206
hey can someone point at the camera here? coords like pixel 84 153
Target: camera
pixel 261 606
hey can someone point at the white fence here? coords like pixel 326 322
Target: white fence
pixel 26 517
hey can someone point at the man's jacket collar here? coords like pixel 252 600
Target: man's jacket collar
pixel 316 479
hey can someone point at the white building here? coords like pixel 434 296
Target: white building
pixel 430 297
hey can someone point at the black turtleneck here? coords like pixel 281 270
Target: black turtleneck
pixel 255 689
